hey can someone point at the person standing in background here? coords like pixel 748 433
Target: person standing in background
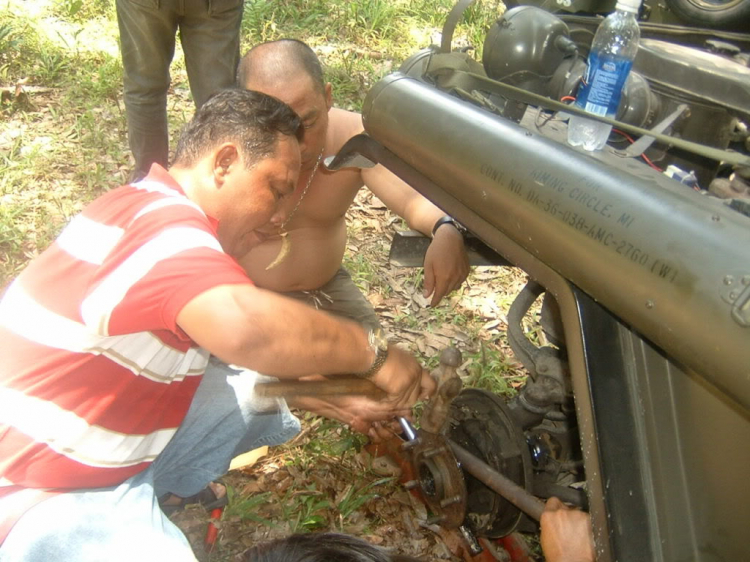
pixel 210 38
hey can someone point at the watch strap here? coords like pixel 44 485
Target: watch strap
pixel 446 219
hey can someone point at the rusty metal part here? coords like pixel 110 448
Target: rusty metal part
pixel 333 386
pixel 438 477
pixel 511 491
pixel 472 543
pixel 482 424
pixel 489 431
pixel 435 415
pixel 437 474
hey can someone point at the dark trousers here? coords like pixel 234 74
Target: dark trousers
pixel 210 38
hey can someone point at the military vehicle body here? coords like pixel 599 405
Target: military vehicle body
pixel 638 408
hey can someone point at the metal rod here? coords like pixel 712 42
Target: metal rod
pixel 508 489
pixel 408 428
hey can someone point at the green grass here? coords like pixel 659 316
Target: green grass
pixel 491 370
pixel 246 507
pixel 305 510
pixel 309 509
pixel 62 140
pixel 334 440
pixel 11 235
pixel 366 274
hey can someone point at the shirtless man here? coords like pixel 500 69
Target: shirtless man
pixel 315 231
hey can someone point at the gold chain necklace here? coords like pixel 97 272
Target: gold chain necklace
pixel 286 245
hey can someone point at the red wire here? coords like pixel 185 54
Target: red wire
pixel 624 134
pixel 631 141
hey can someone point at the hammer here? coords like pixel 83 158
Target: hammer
pixel 337 385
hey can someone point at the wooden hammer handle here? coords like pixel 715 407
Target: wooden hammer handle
pixel 332 386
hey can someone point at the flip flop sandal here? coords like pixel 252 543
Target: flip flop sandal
pixel 205 497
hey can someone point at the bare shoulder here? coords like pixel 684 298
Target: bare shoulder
pixel 343 125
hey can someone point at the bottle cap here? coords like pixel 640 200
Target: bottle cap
pixel 628 5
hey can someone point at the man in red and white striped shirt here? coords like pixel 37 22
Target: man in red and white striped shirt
pixel 105 339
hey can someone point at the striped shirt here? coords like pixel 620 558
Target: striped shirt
pixel 95 375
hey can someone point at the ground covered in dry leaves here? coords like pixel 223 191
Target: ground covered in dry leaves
pixel 325 479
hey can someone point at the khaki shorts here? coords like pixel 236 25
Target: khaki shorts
pixel 341 297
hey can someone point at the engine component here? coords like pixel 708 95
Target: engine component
pixel 532 49
pixel 725 14
pixel 639 104
pixel 735 186
pixel 713 86
pixel 525 47
pixel 547 385
pixel 481 423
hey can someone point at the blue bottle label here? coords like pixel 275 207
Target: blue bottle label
pixel 602 85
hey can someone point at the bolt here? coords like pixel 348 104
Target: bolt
pixel 650 304
pixel 411 444
pixel 450 501
pixel 746 279
pixel 733 295
pixel 715 218
pixel 429 453
pixel 728 280
pixel 435 520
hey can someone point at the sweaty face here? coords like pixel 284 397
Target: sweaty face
pixel 253 199
pixel 310 104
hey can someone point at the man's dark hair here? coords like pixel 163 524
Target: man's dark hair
pixel 287 53
pixel 252 120
pixel 320 547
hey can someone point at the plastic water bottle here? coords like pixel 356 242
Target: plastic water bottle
pixel 612 52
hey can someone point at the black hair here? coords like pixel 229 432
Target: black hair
pixel 250 119
pixel 320 547
pixel 297 53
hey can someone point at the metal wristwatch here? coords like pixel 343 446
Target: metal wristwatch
pixel 379 344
